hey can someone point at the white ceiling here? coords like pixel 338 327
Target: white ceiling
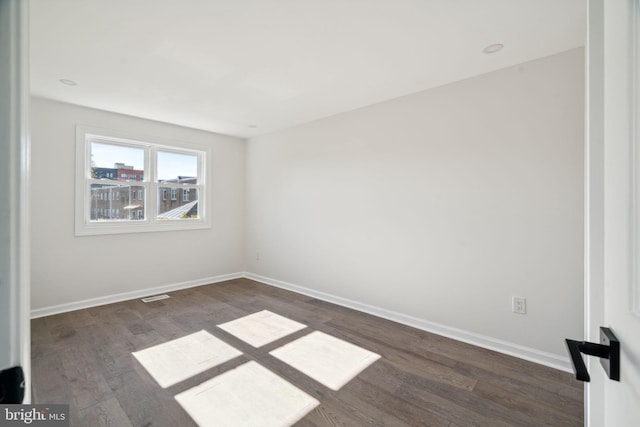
pixel 224 65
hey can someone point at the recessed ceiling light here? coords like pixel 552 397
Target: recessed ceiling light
pixel 68 82
pixel 493 48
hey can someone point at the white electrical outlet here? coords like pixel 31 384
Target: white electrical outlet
pixel 519 305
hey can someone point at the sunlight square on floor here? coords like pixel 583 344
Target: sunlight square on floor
pixel 249 395
pixel 262 327
pixel 176 360
pixel 328 360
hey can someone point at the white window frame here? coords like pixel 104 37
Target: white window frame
pixel 151 145
pixel 635 43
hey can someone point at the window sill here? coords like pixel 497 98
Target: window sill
pixel 121 227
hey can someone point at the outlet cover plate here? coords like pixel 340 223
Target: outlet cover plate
pixel 519 305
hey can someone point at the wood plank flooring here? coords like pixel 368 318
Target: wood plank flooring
pixel 83 358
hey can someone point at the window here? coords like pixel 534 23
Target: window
pixel 116 202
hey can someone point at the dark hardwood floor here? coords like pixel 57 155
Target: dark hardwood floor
pixel 83 358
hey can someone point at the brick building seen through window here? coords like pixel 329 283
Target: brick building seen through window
pixel 124 200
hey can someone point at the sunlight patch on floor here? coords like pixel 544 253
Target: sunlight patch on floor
pixel 176 360
pixel 328 360
pixel 262 327
pixel 249 395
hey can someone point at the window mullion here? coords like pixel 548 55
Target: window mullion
pixel 108 202
pixel 152 197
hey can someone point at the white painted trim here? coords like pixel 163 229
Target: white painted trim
pixel 594 204
pixel 125 296
pixel 635 157
pixel 548 359
pixel 15 286
pixel 151 146
pixel 24 298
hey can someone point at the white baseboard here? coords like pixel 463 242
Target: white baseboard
pixel 548 359
pixel 93 302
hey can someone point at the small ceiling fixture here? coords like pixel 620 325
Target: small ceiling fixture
pixel 68 82
pixel 493 48
pixel 253 126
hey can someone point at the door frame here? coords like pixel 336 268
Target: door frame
pixel 594 204
pixel 612 202
pixel 17 157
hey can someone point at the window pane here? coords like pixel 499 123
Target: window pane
pixel 116 202
pixel 116 162
pixel 178 207
pixel 177 168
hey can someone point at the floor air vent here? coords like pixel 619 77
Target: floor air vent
pixel 155 298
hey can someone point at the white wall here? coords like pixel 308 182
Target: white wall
pixel 68 269
pixel 440 205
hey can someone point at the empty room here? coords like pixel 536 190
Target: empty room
pixel 336 213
